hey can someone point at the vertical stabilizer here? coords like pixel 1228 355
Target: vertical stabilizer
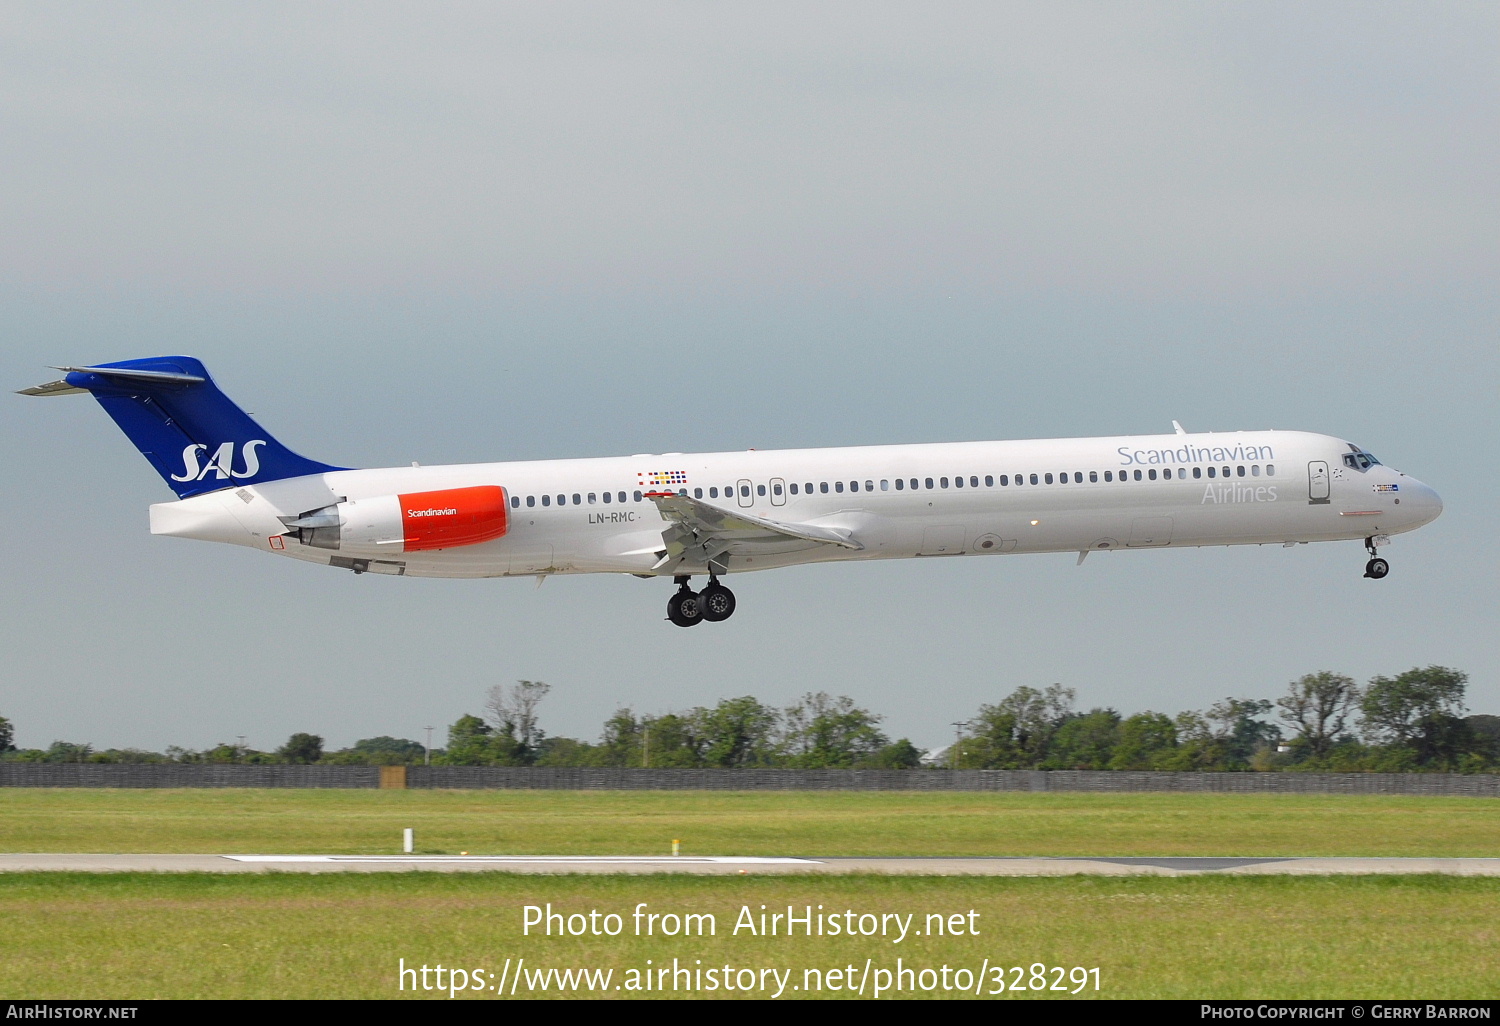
pixel 196 438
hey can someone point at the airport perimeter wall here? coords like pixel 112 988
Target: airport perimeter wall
pixel 16 774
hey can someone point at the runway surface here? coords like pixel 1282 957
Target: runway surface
pixel 735 865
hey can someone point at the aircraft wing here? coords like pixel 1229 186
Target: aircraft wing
pixel 700 533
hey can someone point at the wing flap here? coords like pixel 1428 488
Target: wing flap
pixel 701 532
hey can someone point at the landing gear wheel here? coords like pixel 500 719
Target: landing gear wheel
pixel 717 603
pixel 685 609
pixel 1377 568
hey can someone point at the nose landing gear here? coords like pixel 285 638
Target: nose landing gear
pixel 1376 568
pixel 688 608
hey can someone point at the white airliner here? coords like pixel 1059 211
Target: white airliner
pixel 683 515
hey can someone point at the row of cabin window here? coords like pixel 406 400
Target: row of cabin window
pixel 1062 477
pixel 562 499
pixel 1253 470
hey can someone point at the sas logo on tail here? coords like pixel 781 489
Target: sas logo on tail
pixel 221 464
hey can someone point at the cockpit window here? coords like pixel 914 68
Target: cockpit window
pixel 1358 459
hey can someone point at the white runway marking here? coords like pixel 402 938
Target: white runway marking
pixel 727 865
pixel 630 860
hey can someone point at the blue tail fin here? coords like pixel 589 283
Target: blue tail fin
pixel 196 438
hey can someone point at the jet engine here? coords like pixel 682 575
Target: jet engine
pixel 417 522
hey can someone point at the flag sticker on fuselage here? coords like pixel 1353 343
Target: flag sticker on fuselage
pixel 663 477
pixel 1388 488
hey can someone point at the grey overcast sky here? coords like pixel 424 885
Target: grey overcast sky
pixel 458 232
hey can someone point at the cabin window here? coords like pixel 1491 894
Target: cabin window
pixel 744 491
pixel 869 486
pixel 1004 480
pixel 1197 472
pixel 793 487
pixel 546 500
pixel 637 496
pixel 823 487
pixel 608 497
pixel 1137 475
pixel 1270 470
pixel 1255 470
pixel 531 500
pixel 1048 479
pixel 713 492
pixel 515 502
pixel 760 490
pixel 929 484
pixel 1033 479
pixel 885 485
pixel 1109 475
pixel 1226 471
pixel 1239 471
pixel 1151 473
pixel 989 480
pixel 854 486
pixel 838 486
pixel 913 484
pixel 776 488
pixel 1212 472
pixel 900 484
pixel 809 489
pixel 958 482
pixel 593 498
pixel 577 499
pixel 943 481
pixel 697 493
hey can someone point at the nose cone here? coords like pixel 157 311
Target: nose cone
pixel 1421 503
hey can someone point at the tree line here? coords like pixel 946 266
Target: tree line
pixel 1414 721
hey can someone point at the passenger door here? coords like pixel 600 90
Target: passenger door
pixel 1317 482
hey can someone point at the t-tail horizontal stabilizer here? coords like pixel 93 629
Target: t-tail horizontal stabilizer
pixel 196 438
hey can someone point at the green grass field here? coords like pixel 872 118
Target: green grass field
pixel 283 935
pixel 203 935
pixel 743 823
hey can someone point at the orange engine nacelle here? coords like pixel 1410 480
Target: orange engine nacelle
pixel 418 522
pixel 453 517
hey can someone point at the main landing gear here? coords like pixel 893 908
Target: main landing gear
pixel 688 608
pixel 1376 568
